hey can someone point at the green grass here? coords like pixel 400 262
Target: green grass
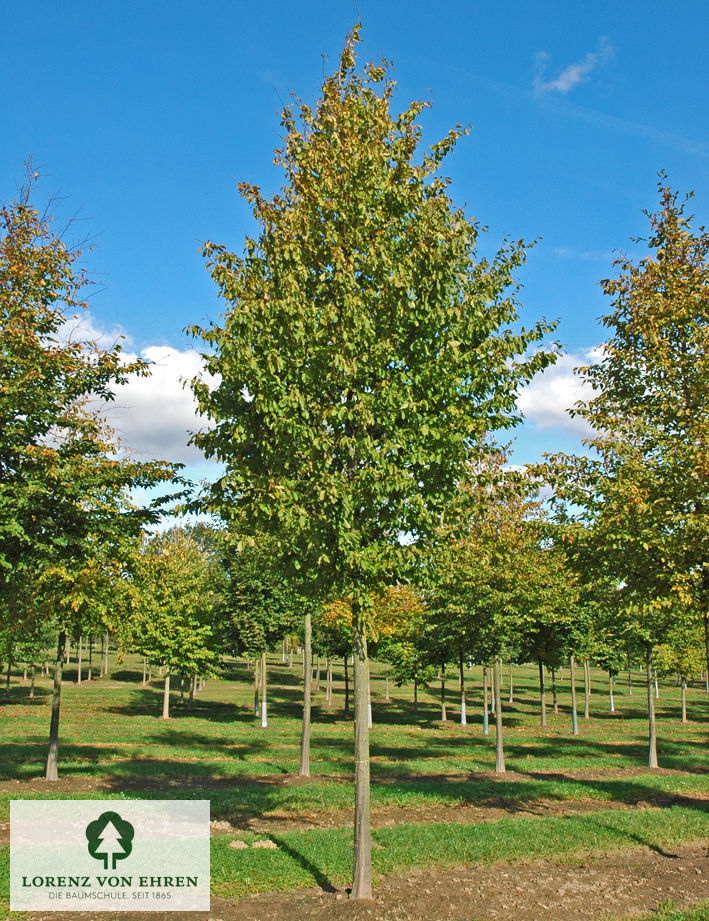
pixel 110 731
pixel 668 913
pixel 111 728
pixel 322 857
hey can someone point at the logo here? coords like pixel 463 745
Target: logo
pixel 110 839
pixel 84 855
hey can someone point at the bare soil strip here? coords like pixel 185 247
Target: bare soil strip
pixel 619 885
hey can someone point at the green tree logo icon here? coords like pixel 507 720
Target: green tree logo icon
pixel 110 839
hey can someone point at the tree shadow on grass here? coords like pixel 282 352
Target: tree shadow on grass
pixel 639 839
pixel 320 878
pixel 20 696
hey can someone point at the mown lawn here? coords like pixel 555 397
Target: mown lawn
pixel 111 731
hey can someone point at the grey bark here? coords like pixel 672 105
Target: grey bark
pixel 347 688
pixel 574 716
pixel 652 729
pixel 52 755
pixel 444 715
pixel 362 859
pixel 166 698
pixel 499 749
pixel 264 701
pixel 304 769
pixel 542 695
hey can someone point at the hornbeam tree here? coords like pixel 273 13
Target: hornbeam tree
pixel 64 488
pixel 365 346
pixel 262 609
pixel 643 496
pixel 179 598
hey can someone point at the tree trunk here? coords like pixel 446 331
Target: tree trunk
pixel 166 698
pixel 145 669
pixel 574 717
pixel 101 656
pixel 684 699
pixel 463 704
pixel 328 681
pixel 362 859
pixel 444 715
pixel 369 697
pixel 386 684
pixel 416 694
pixel 32 682
pixel 78 663
pixel 499 749
pixel 542 695
pixel 657 687
pixel 264 702
pixel 257 682
pixel 553 691
pixel 304 769
pixel 652 731
pixel 610 692
pixel 630 678
pixel 486 727
pixel 317 674
pixel 347 689
pixel 8 676
pixel 190 700
pixel 91 649
pixel 52 756
pixel 587 689
pixel 105 654
pixel 511 698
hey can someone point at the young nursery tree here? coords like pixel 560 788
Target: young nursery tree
pixel 262 607
pixel 644 496
pixel 64 490
pixel 365 345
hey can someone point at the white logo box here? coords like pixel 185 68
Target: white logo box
pixel 109 855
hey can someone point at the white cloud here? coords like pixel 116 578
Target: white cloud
pixel 80 327
pixel 555 390
pixel 155 415
pixel 571 75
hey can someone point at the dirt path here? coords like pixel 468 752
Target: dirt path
pixel 491 809
pixel 617 885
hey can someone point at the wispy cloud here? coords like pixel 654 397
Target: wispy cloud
pixel 573 74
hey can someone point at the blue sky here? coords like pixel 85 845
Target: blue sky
pixel 145 115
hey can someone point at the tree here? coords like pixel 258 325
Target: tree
pixel 64 486
pixel 364 346
pixel 180 594
pixel 642 497
pixel 262 608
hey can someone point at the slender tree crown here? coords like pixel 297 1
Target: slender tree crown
pixel 643 496
pixel 65 505
pixel 365 346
